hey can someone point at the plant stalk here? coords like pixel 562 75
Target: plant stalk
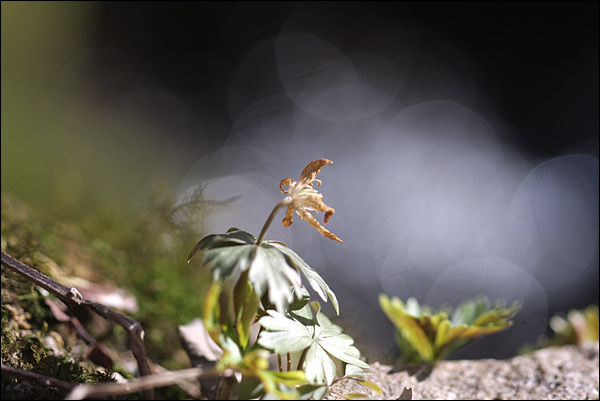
pixel 227 383
pixel 302 358
pixel 282 203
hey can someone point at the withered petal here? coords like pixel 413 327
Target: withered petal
pixel 312 169
pixel 289 214
pixel 286 181
pixel 330 235
pixel 305 201
pixel 313 222
pixel 328 215
pixel 314 201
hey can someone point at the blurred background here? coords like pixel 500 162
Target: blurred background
pixel 464 137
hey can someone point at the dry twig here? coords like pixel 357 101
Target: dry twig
pixel 73 297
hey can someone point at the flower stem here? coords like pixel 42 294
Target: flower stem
pixel 302 358
pixel 282 203
pixel 227 382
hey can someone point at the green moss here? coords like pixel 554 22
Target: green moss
pixel 144 253
pixel 29 343
pixel 149 257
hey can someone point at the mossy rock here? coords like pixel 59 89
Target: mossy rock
pixel 72 253
pixel 32 339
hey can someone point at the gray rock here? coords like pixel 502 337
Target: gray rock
pixel 568 372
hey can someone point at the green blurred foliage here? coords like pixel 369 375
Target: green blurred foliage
pixel 425 335
pixel 142 253
pixel 32 339
pixel 68 145
pixel 577 327
pixel 573 328
pixel 92 168
pixel 37 38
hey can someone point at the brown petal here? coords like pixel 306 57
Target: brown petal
pixel 331 235
pixel 289 213
pixel 286 181
pixel 314 201
pixel 312 169
pixel 328 215
pixel 310 219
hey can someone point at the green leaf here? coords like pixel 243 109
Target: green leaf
pixel 245 307
pixel 233 235
pixel 319 367
pixel 224 260
pixel 273 268
pixel 318 338
pixel 314 279
pixel 499 314
pixel 354 396
pixel 281 385
pixel 337 344
pixel 232 355
pixel 442 336
pixel 357 376
pixel 226 253
pixel 427 336
pixel 408 326
pixel 269 273
pixel 353 371
pixel 313 392
pixel 370 385
pixel 212 311
pixel 284 335
pixel 468 311
pixel 259 382
pixel 301 298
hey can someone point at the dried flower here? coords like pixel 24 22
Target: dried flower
pixel 303 198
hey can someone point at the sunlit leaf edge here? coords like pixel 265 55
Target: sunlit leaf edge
pixel 312 276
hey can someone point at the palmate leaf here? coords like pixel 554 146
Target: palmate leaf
pixel 269 273
pixel 273 267
pixel 235 252
pixel 257 379
pixel 427 336
pixel 226 253
pixel 315 336
pixel 314 279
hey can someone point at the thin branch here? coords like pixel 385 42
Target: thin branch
pixel 37 377
pixel 73 297
pixel 69 295
pixel 145 383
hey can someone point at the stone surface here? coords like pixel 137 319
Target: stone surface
pixel 568 372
